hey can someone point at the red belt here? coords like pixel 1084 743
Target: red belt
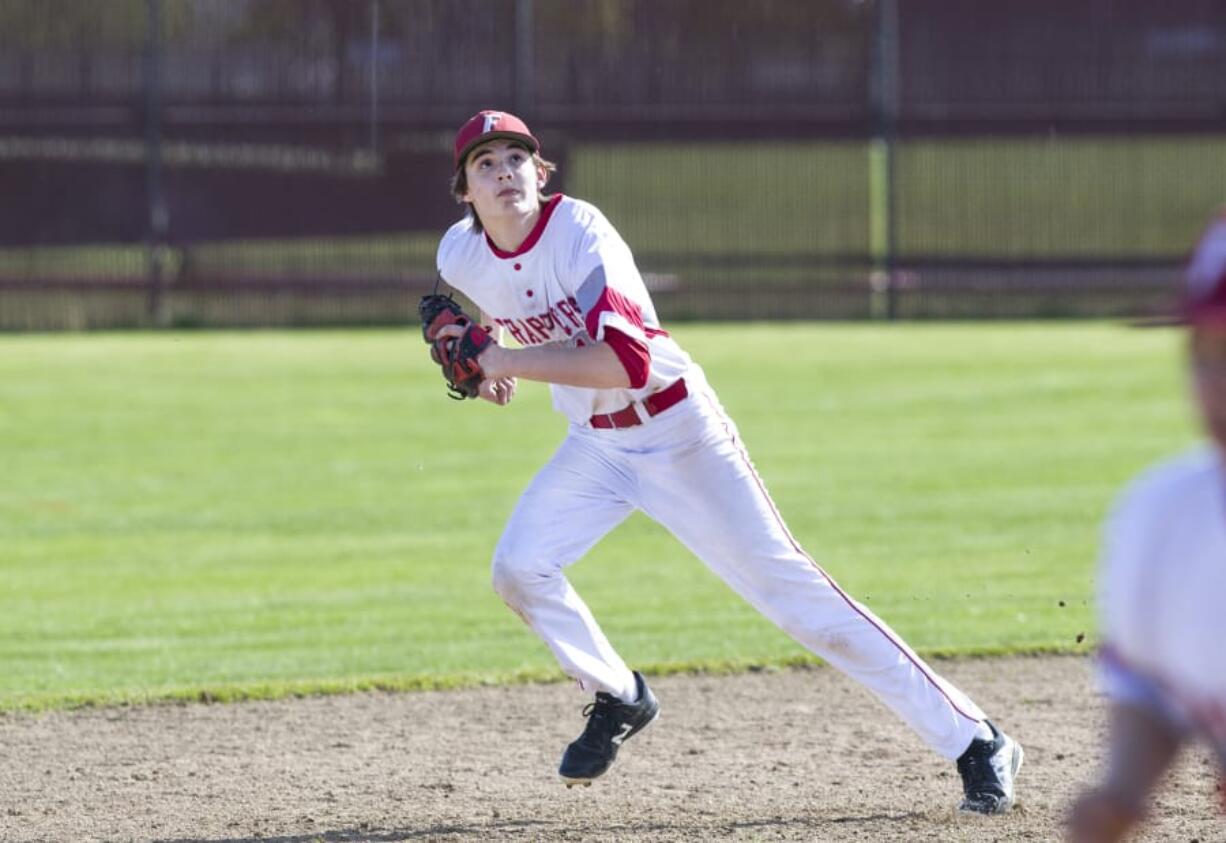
pixel 654 404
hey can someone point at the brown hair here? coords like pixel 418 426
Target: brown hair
pixel 459 184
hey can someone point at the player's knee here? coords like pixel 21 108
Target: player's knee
pixel 512 573
pixel 504 577
pixel 522 566
pixel 832 641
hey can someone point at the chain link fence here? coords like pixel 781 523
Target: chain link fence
pixel 285 162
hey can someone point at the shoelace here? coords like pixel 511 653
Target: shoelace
pixel 600 722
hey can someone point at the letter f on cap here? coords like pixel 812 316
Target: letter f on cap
pixel 486 125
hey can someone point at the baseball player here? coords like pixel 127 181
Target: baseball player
pixel 646 432
pixel 1163 585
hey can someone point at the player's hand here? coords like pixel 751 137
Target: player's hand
pixel 1100 817
pixel 498 391
pixel 450 331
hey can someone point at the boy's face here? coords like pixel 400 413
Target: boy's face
pixel 503 180
pixel 1208 354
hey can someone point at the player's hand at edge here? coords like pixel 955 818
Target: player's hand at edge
pixel 1101 816
pixel 498 391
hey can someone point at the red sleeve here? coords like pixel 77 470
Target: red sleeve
pixel 612 301
pixel 633 355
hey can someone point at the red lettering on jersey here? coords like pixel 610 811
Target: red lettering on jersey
pixel 537 329
pixel 533 326
pixel 510 325
pixel 574 312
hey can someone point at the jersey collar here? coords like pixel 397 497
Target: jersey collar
pixel 534 235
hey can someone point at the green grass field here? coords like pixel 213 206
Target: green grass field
pixel 249 514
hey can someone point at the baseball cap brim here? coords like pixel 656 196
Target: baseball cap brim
pixel 526 140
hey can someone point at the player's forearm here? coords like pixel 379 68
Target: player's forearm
pixel 1142 747
pixel 594 366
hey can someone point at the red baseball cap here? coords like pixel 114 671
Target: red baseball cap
pixel 487 125
pixel 1204 296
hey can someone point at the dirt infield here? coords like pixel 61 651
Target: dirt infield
pixel 790 755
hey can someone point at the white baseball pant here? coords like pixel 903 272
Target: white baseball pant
pixel 688 470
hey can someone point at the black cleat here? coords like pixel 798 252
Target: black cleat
pixel 988 769
pixel 609 722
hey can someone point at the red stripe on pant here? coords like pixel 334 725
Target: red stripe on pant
pixel 796 546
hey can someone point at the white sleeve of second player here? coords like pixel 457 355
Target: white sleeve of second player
pixel 1120 571
pixel 1126 615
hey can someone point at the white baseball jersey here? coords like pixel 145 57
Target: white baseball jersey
pixel 570 282
pixel 1163 594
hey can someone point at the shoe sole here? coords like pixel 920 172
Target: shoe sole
pixel 573 782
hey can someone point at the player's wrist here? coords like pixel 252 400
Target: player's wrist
pixel 495 362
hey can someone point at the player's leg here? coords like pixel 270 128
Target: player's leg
pixel 573 501
pixel 713 500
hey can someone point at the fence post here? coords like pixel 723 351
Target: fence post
pixel 525 64
pixel 883 229
pixel 159 221
pixel 374 80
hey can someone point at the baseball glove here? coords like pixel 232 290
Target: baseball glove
pixel 456 355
